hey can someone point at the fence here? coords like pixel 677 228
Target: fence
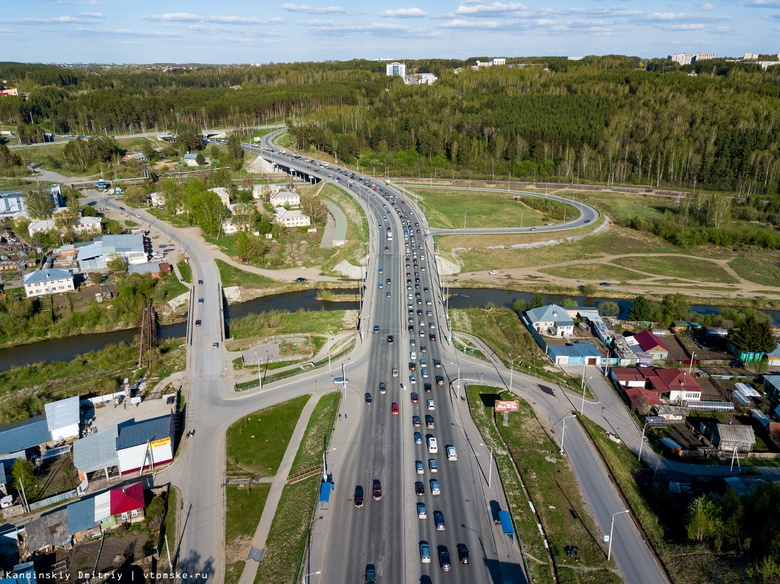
pixel 54 499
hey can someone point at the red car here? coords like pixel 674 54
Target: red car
pixel 395 409
pixel 415 398
pixel 377 490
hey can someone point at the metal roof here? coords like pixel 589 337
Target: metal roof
pixel 124 500
pixel 81 515
pixel 123 243
pixel 48 530
pixel 583 349
pixel 24 434
pixel 145 268
pixel 62 413
pixel 142 432
pixel 96 451
pixel 736 433
pixel 550 313
pixel 50 275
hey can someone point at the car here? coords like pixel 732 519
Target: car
pixel 414 397
pixel 370 577
pixel 381 284
pixel 200 300
pixel 605 284
pixel 369 400
pixel 394 409
pixel 417 438
pixel 438 518
pixel 433 445
pixel 586 221
pixel 533 228
pixel 432 337
pixel 387 248
pixel 428 387
pixel 337 380
pixel 376 328
pixel 424 373
pixel 452 454
pixel 430 405
pixel 425 553
pixel 429 422
pixel 444 554
pixel 463 554
pixel 423 349
pixel 300 279
pixel 387 281
pixel 437 364
pixel 435 488
pixel 439 380
pixel 381 269
pixel 412 379
pixel 382 387
pixel 358 496
pixel 215 345
pixel 492 272
pixel 416 421
pixel 197 323
pixel 422 512
pixel 200 282
pixel 419 467
pixel 433 466
pixel 422 332
pixel 389 339
pixel 377 490
pixel 387 294
pixel 419 489
pixel 395 370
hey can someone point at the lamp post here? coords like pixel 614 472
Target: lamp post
pixel 611 528
pixel 259 376
pixel 584 385
pixel 310 574
pixel 563 432
pixel 511 370
pixel 490 467
pixel 642 442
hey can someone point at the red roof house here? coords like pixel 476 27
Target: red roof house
pixel 635 393
pixel 128 502
pixel 650 343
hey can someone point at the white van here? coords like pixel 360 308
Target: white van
pixel 413 355
pixel 433 446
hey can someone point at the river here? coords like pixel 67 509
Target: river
pixel 68 348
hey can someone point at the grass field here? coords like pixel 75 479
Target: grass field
pixel 233 276
pixel 244 508
pixel 447 209
pixel 624 205
pixel 287 538
pixel 317 433
pixel 759 266
pixel 257 443
pixel 555 493
pixel 264 324
pixel 679 267
pixel 357 229
pixel 186 271
pixel 601 271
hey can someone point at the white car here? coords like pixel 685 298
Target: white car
pixel 433 466
pixel 430 404
pixel 452 454
pixel 420 467
pixel 422 512
pixel 492 272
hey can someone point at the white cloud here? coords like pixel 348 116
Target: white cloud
pixel 50 20
pixel 92 14
pixel 313 9
pixel 404 13
pixel 690 26
pixel 196 18
pixel 472 24
pixel 385 28
pixel 667 15
pixel 479 8
pixel 708 6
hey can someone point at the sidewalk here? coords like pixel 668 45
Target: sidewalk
pixel 275 494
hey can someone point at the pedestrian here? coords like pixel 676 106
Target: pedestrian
pixel 345 416
pixel 339 416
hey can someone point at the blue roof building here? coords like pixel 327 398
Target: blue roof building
pixel 137 433
pixel 25 434
pixel 583 353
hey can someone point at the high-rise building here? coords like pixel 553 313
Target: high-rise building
pixel 396 68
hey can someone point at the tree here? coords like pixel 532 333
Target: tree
pixel 589 290
pixel 609 309
pixel 674 307
pixel 189 138
pixel 244 216
pixel 39 203
pixel 24 475
pixel 536 301
pixel 641 309
pixel 753 336
pixel 704 521
pixel 569 303
pixel 116 263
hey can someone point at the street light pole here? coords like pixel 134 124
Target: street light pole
pixel 641 443
pixel 611 528
pixel 310 574
pixel 563 434
pixel 511 370
pixel 490 467
pixel 584 385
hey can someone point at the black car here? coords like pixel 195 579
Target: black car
pixel 370 574
pixel 368 399
pixel 390 339
pixel 419 488
pixel 301 279
pixel 463 554
pixel 428 388
pixel 358 496
pixel 444 559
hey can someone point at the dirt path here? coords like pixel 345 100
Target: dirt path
pixel 654 284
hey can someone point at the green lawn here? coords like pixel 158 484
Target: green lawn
pixel 257 443
pixel 274 322
pixel 232 276
pixel 680 267
pixel 758 266
pixel 317 434
pixel 595 272
pixel 186 271
pixel 287 538
pixel 244 509
pixel 447 209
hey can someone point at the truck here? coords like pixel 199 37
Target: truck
pixel 102 184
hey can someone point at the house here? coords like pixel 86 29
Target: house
pixel 63 418
pixel 583 353
pixel 48 281
pixel 83 225
pixel 21 573
pixel 127 504
pixel 671 414
pixel 773 358
pixel 680 326
pixel 674 385
pixel 651 344
pixel 96 452
pixel 91 516
pixel 146 444
pixel 292 218
pixel 551 320
pixel 285 198
pixel 11 203
pixel 395 68
pixel 135 157
pixel 223 195
pixel 728 437
pixel 46 533
pixel 191 159
pixel 772 385
pixel 743 355
pixel 637 395
pixel 96 255
pixel 152 268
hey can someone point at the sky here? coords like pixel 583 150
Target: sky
pixel 266 31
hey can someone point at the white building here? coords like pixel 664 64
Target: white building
pixel 499 61
pixel 51 281
pixel 690 58
pixel 551 320
pixel 223 195
pixel 421 79
pixel 96 255
pixel 62 418
pixel 291 218
pixel 284 197
pixel 229 228
pixel 83 225
pixel 750 57
pixel 396 68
